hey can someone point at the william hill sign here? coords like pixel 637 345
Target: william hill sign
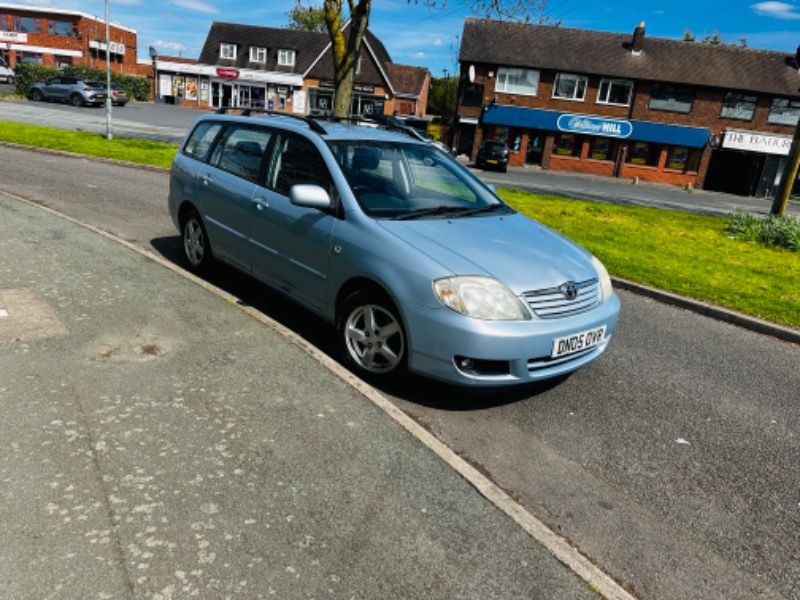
pixel 594 126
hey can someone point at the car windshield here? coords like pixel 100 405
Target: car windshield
pixel 489 145
pixel 408 181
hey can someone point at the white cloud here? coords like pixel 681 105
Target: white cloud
pixel 169 45
pixel 196 5
pixel 777 10
pixel 438 42
pixel 417 55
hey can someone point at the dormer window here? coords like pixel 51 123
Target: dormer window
pixel 258 54
pixel 286 58
pixel 227 51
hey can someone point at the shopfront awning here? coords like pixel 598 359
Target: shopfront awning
pixel 641 131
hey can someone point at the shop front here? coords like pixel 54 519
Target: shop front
pixel 748 163
pixel 598 145
pixel 367 100
pixel 209 86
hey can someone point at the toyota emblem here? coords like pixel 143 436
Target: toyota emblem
pixel 569 289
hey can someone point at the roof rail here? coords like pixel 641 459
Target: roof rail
pixel 379 121
pixel 247 111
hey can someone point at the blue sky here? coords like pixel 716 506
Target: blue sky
pixel 416 35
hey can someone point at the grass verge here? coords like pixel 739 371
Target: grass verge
pixel 92 144
pixel 687 254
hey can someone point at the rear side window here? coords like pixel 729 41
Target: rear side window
pixel 200 141
pixel 241 151
pixel 297 161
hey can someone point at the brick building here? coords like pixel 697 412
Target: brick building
pixel 60 38
pixel 625 105
pixel 288 70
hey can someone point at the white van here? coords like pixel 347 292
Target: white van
pixel 6 72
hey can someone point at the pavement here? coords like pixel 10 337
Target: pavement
pixel 160 441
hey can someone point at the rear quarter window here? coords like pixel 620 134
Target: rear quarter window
pixel 201 139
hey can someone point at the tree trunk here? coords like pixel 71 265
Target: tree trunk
pixel 345 48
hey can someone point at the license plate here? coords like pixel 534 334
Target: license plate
pixel 492 161
pixel 570 344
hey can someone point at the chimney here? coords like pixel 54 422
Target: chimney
pixel 797 58
pixel 638 39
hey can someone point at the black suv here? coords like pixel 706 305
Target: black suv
pixel 492 153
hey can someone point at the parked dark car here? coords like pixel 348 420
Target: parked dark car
pixel 68 89
pixel 492 153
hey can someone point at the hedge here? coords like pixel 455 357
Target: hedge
pixel 25 74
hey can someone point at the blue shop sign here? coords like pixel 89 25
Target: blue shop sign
pixel 549 120
pixel 594 126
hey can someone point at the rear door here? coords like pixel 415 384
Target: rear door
pixel 226 189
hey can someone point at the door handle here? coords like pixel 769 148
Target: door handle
pixel 206 179
pixel 260 203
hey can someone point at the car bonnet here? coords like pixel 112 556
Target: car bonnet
pixel 517 251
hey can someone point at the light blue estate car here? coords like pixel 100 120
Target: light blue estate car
pixel 417 263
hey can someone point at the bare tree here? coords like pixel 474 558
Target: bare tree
pixel 347 33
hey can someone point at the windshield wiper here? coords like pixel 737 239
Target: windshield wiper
pixel 483 209
pixel 434 210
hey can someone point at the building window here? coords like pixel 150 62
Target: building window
pixel 32 58
pixel 615 91
pixel 644 153
pixel 3 22
pixel 227 51
pixel 672 98
pixel 63 61
pixel 62 28
pixel 739 106
pixel 286 58
pixel 570 87
pixel 784 112
pixel 27 25
pixel 602 148
pixel 472 94
pixel 568 144
pixel 517 81
pixel 682 158
pixel 258 54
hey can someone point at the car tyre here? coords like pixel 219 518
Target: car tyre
pixel 76 100
pixel 37 95
pixel 196 247
pixel 371 337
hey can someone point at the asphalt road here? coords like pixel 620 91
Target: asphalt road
pixel 672 461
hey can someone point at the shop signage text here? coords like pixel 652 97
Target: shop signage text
pixel 13 36
pixel 594 126
pixel 228 73
pixel 768 144
pixel 366 89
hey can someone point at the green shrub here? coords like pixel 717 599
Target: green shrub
pixel 137 87
pixel 772 231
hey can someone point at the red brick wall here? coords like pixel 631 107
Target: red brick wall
pixel 87 29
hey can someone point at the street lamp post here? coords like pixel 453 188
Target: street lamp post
pixel 109 133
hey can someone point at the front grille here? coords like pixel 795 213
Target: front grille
pixel 553 304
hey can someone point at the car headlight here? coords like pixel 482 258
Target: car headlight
pixel 605 279
pixel 480 297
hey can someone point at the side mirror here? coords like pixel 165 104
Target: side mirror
pixel 310 196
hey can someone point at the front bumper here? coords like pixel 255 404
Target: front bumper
pixel 522 348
